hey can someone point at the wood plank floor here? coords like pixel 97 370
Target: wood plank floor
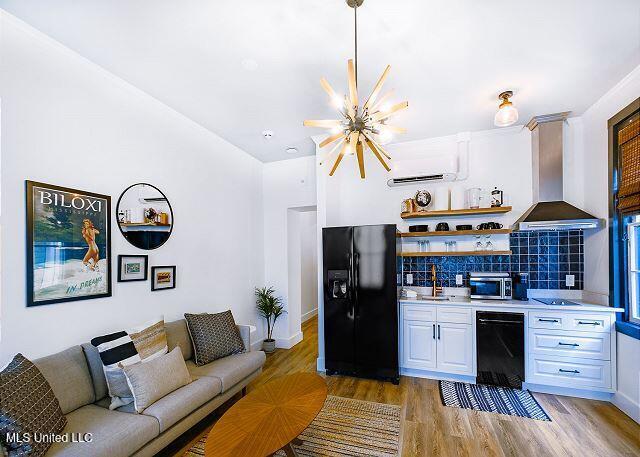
pixel 578 428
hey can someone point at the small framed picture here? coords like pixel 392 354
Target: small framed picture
pixel 132 268
pixel 163 277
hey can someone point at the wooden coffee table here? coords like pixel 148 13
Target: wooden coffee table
pixel 268 418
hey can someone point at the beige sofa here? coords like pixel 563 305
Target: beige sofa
pixel 77 379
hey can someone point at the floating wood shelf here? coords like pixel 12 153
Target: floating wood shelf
pixel 456 233
pixel 452 254
pixel 143 224
pixel 456 212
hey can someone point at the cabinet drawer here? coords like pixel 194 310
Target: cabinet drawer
pixel 549 320
pixel 569 372
pixel 454 315
pixel 589 322
pixel 570 344
pixel 558 320
pixel 419 313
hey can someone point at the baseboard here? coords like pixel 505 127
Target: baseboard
pixel 627 406
pixel 569 392
pixel 309 315
pixel 288 343
pixel 426 374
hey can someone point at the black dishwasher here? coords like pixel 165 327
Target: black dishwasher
pixel 500 348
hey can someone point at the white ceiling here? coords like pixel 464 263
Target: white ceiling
pixel 450 59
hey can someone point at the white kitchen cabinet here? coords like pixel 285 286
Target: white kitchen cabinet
pixel 419 344
pixel 444 345
pixel 455 348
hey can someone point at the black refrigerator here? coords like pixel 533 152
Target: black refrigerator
pixel 361 280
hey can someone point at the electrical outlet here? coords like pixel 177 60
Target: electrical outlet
pixel 458 280
pixel 570 280
pixel 409 278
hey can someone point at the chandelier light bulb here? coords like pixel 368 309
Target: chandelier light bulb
pixel 338 102
pixel 507 113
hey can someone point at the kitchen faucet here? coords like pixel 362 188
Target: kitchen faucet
pixel 436 289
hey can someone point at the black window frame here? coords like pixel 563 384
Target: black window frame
pixel 618 223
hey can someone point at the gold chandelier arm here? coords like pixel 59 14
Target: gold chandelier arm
pixel 376 90
pixel 359 154
pixel 353 88
pixel 379 116
pixel 375 151
pixel 381 100
pixel 332 152
pixel 331 139
pixel 394 128
pixel 328 89
pixel 339 159
pixel 378 147
pixel 324 123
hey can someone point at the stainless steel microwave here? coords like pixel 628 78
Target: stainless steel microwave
pixel 492 286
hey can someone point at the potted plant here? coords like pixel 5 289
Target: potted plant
pixel 270 307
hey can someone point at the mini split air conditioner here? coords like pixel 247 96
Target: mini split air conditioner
pixel 433 168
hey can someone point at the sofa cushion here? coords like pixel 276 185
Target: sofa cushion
pixel 180 403
pixel 178 335
pixel 68 374
pixel 94 362
pixel 117 350
pixel 113 433
pixel 151 381
pixel 230 370
pixel 213 336
pixel 27 407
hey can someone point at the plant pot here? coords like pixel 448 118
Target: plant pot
pixel 269 346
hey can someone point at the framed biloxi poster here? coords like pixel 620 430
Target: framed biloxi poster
pixel 68 244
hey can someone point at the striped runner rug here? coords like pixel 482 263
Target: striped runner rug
pixel 494 399
pixel 344 427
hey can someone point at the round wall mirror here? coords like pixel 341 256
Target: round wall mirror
pixel 145 216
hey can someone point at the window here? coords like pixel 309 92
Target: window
pixel 633 269
pixel 624 211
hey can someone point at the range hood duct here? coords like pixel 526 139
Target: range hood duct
pixel 549 210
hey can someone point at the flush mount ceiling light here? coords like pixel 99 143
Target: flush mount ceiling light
pixel 359 125
pixel 507 113
pixel 292 150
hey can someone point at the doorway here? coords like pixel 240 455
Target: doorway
pixel 302 261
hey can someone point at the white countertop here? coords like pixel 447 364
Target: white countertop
pixel 512 304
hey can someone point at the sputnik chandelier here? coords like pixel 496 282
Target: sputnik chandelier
pixel 359 125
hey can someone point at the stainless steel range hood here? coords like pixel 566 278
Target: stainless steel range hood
pixel 549 210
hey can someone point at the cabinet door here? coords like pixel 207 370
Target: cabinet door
pixel 419 345
pixel 455 348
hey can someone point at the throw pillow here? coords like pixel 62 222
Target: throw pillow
pixel 118 350
pixel 27 405
pixel 213 336
pixel 151 381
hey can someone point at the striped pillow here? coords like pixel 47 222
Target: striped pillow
pixel 118 350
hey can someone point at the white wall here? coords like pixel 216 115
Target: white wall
pixel 309 260
pixel 289 188
pixel 596 190
pixel 65 121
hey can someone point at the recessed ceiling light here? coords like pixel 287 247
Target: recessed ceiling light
pixel 249 64
pixel 292 150
pixel 267 134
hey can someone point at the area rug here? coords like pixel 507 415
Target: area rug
pixel 494 399
pixel 344 427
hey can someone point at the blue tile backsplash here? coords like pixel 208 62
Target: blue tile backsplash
pixel 547 256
